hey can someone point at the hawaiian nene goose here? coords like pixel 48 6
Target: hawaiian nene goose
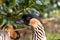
pixel 10 30
pixel 36 24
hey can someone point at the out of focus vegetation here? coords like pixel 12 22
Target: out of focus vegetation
pixel 47 10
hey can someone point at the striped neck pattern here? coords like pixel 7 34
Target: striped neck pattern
pixel 38 33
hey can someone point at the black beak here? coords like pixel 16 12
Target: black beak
pixel 20 21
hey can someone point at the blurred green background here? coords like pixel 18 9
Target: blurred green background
pixel 47 10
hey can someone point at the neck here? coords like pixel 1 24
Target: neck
pixel 39 33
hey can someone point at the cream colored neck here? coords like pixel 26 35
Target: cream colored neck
pixel 38 33
pixel 38 30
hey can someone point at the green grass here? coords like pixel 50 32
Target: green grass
pixel 50 36
pixel 53 36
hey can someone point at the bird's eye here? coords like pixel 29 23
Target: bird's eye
pixel 28 18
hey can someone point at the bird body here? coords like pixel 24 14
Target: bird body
pixel 36 24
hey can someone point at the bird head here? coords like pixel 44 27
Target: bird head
pixel 28 19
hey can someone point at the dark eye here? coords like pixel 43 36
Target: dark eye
pixel 28 18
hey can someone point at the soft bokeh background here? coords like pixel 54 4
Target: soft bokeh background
pixel 47 10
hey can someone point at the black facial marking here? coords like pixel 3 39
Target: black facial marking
pixel 26 18
pixel 3 26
